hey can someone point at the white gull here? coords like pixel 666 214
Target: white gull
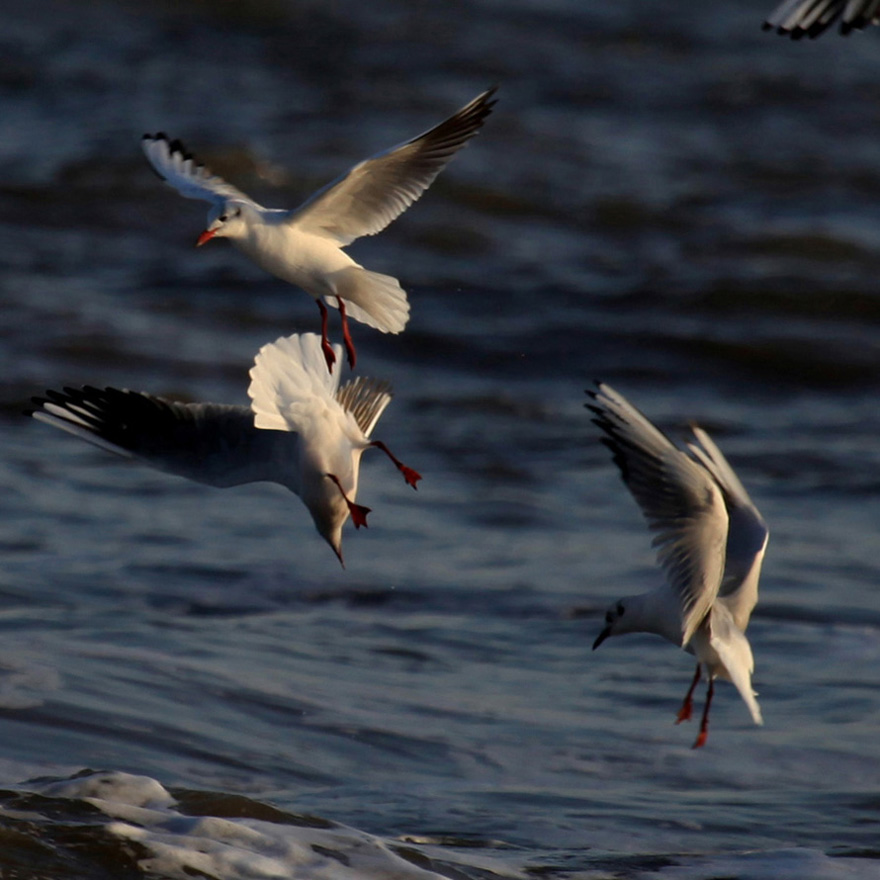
pixel 304 245
pixel 711 541
pixel 302 430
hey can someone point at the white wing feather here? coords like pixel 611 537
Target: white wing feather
pixel 747 532
pixel 679 499
pixel 179 169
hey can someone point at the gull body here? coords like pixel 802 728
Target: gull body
pixel 711 541
pixel 302 431
pixel 304 246
pixel 810 18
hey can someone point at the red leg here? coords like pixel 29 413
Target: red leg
pixel 704 721
pixel 358 511
pixel 412 477
pixel 346 335
pixel 329 354
pixel 684 713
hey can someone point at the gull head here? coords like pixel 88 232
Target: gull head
pixel 330 506
pixel 329 522
pixel 227 220
pixel 614 623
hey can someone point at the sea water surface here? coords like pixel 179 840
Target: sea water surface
pixel 666 199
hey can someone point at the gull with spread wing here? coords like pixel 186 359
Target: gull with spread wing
pixel 304 245
pixel 710 541
pixel 302 430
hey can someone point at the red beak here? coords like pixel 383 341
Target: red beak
pixel 207 235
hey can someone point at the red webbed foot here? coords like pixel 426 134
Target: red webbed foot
pixel 411 476
pixel 684 713
pixel 358 512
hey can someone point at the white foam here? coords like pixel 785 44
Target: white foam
pixel 176 846
pixel 111 790
pixel 181 846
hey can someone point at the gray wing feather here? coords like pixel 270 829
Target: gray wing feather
pixel 365 199
pixel 213 444
pixel 679 499
pixel 747 533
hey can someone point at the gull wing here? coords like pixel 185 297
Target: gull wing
pixel 747 533
pixel 366 400
pixel 210 443
pixel 291 385
pixel 365 199
pixel 178 168
pixel 679 499
pixel 799 18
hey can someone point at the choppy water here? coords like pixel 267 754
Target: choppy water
pixel 667 199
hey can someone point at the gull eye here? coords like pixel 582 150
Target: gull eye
pixel 223 218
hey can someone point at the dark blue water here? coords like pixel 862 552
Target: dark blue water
pixel 665 198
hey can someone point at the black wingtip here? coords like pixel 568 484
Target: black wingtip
pixel 489 98
pixel 174 145
pixel 594 392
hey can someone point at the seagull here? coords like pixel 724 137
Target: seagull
pixel 304 245
pixel 799 18
pixel 301 430
pixel 711 541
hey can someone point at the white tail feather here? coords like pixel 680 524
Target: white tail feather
pixel 371 298
pixel 288 374
pixel 366 400
pixel 736 655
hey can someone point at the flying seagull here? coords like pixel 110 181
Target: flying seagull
pixel 305 245
pixel 710 541
pixel 302 430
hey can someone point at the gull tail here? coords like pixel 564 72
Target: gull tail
pixel 366 400
pixel 287 378
pixel 371 298
pixel 736 654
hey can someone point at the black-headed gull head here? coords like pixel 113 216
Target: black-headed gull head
pixel 226 220
pixel 615 623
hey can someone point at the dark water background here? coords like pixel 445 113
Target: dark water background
pixel 665 198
